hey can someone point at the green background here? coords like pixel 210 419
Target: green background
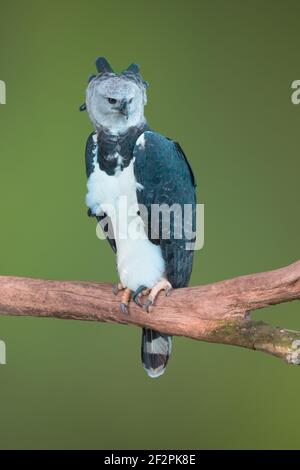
pixel 220 75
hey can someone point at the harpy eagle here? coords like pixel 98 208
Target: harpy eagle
pixel 132 173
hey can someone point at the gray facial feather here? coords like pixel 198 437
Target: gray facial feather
pixel 116 102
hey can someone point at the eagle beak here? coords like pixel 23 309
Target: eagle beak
pixel 123 109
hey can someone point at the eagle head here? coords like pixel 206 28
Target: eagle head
pixel 116 101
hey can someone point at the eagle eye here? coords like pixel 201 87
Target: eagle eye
pixel 112 100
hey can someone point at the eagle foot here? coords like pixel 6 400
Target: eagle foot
pixel 165 285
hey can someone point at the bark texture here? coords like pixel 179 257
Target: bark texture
pixel 218 312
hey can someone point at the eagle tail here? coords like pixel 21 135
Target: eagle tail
pixel 155 351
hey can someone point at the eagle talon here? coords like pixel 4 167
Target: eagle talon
pixel 147 305
pixel 124 308
pixel 168 291
pixel 137 300
pixel 136 295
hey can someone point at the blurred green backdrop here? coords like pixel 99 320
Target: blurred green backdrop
pixel 220 75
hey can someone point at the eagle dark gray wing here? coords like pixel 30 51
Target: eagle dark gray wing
pixel 161 167
pixel 103 219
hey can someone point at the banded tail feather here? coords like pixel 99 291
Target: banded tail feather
pixel 155 352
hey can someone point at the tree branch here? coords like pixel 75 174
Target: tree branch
pixel 218 312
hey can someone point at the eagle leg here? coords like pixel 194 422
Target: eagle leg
pixel 163 284
pixel 126 296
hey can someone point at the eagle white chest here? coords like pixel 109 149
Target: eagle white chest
pixel 139 261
